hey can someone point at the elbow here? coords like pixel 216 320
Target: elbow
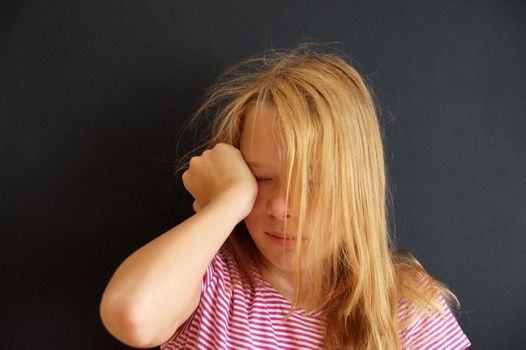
pixel 128 323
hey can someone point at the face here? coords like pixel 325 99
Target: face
pixel 261 151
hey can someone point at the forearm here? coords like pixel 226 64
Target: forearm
pixel 153 286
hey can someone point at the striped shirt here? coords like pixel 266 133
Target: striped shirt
pixel 251 317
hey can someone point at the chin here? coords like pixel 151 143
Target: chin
pixel 283 260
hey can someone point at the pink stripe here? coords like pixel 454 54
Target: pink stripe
pixel 252 319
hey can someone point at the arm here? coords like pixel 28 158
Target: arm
pixel 157 288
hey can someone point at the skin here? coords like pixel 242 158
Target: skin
pixel 261 151
pixel 155 289
pixel 250 179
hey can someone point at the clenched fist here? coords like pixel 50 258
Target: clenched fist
pixel 221 173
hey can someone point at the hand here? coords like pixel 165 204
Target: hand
pixel 221 173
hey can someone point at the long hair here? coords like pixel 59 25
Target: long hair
pixel 327 123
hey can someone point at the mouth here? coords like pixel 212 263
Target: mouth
pixel 278 238
pixel 280 235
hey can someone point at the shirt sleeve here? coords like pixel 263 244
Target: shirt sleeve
pixel 215 268
pixel 213 279
pixel 435 331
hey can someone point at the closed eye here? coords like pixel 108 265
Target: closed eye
pixel 259 179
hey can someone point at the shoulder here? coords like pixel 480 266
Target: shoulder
pixel 222 272
pixel 436 329
pixel 216 299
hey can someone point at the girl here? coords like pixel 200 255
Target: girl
pixel 289 245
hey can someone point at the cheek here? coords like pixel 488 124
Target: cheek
pixel 259 203
pixel 256 216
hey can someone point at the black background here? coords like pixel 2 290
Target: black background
pixel 93 94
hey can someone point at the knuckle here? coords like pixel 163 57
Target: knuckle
pixel 184 178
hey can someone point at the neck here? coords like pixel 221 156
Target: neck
pixel 281 281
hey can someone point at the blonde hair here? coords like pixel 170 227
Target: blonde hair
pixel 328 125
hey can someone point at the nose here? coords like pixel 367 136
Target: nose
pixel 276 204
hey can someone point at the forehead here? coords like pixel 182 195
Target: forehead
pixel 259 144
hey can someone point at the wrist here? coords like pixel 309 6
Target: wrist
pixel 233 204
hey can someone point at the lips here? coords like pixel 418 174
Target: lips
pixel 281 235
